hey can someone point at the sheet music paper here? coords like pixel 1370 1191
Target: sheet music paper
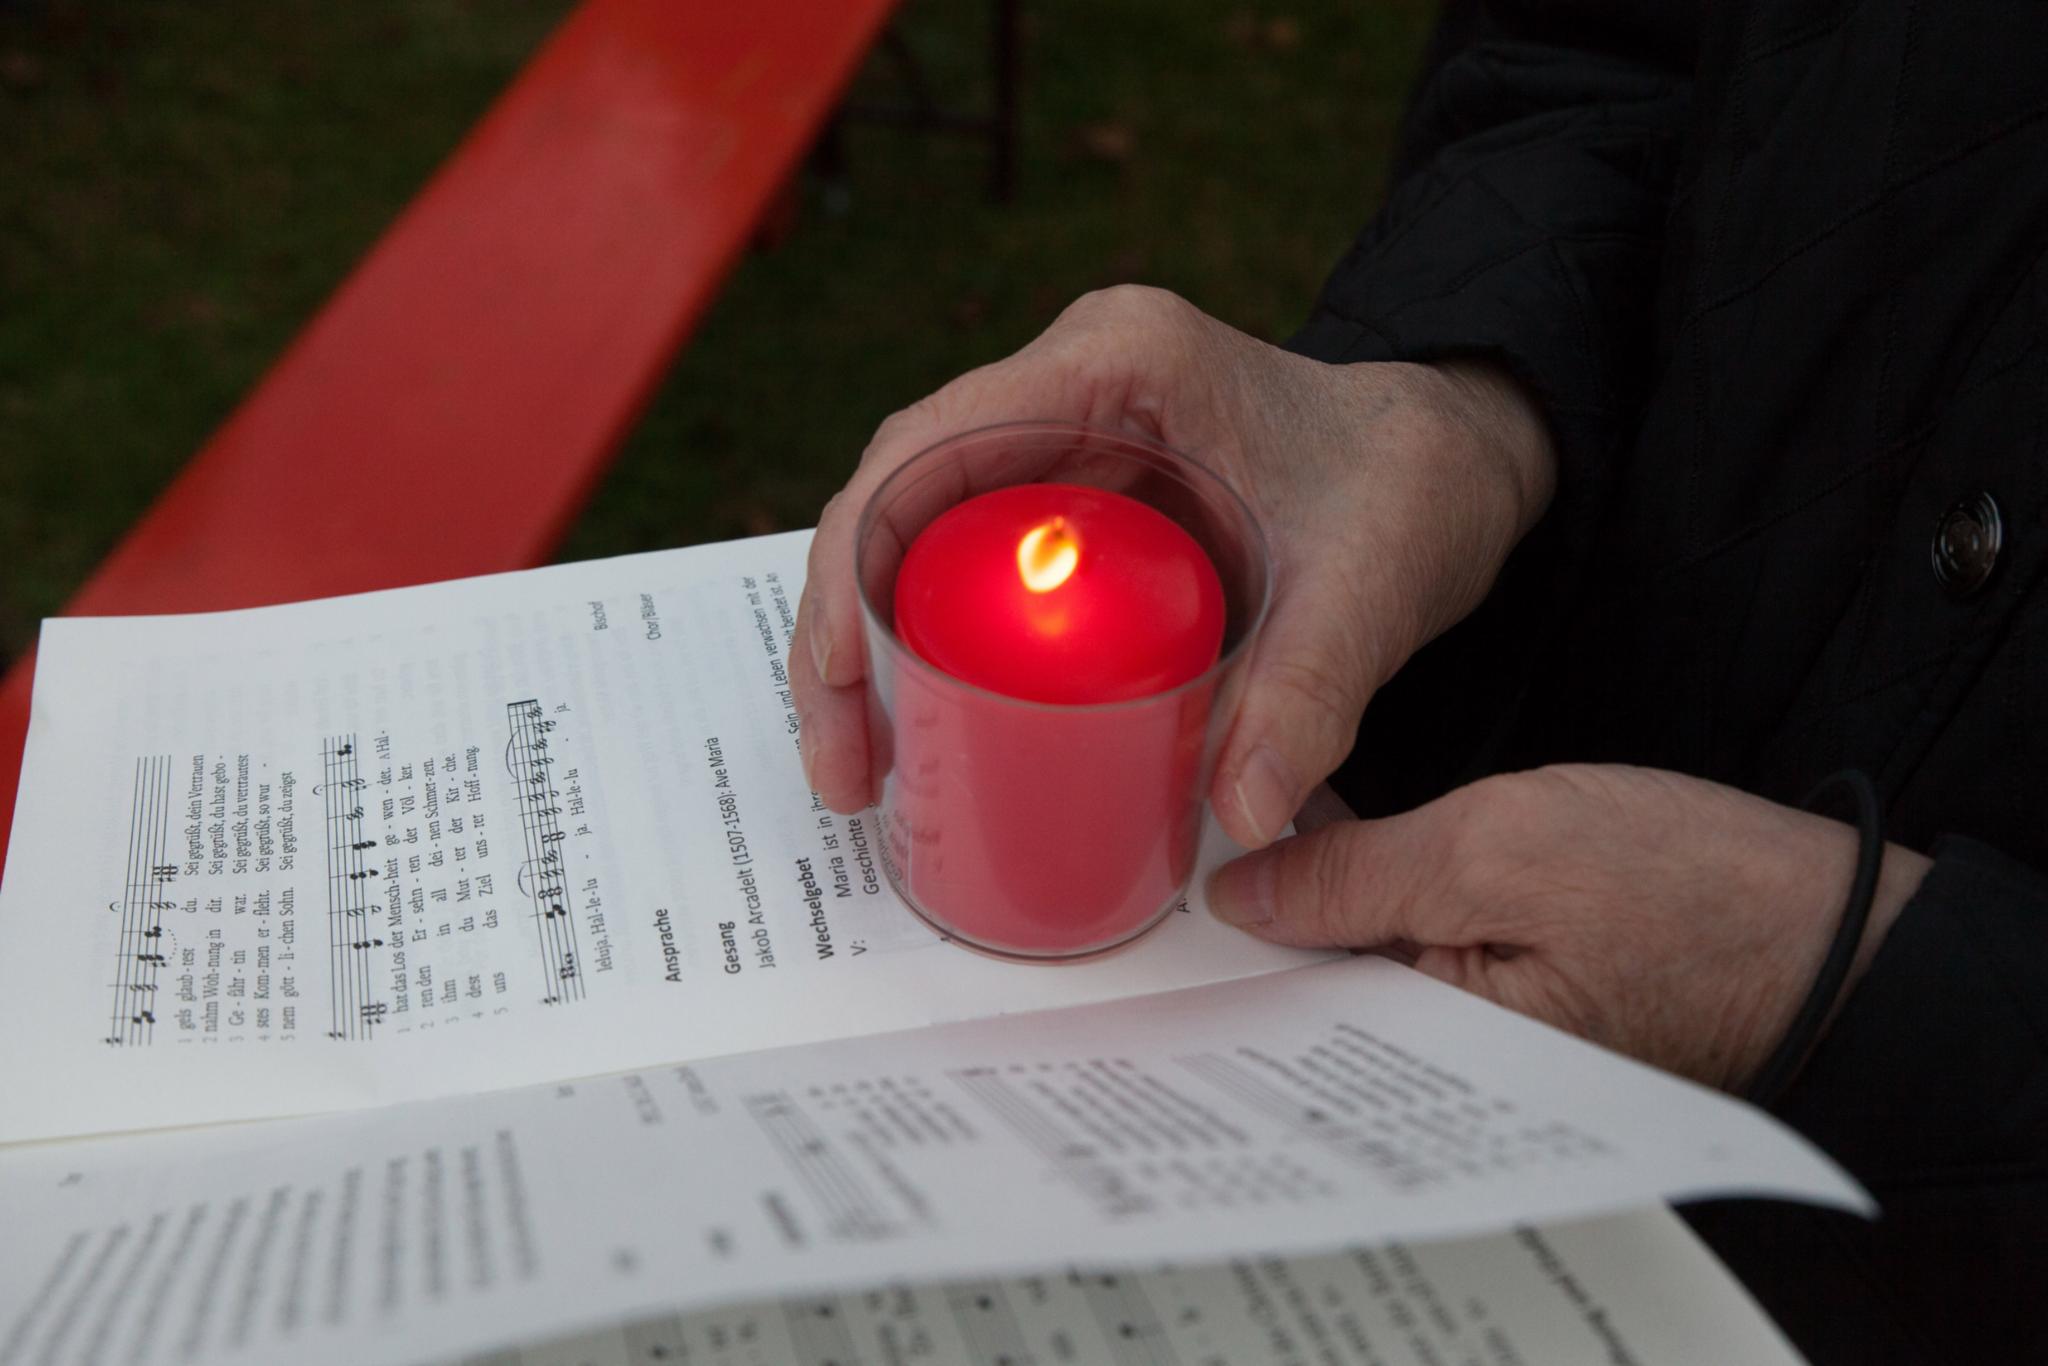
pixel 1344 1102
pixel 458 837
pixel 1635 1287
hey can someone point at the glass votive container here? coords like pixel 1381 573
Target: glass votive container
pixel 1032 829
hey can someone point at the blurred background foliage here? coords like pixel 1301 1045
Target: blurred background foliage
pixel 182 183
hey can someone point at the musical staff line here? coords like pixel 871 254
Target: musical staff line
pixel 1125 1314
pixel 851 1210
pixel 352 1013
pixel 115 1033
pixel 545 875
pixel 1347 1139
pixel 138 949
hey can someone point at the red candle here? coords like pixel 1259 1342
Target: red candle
pixel 1060 593
pixel 1048 830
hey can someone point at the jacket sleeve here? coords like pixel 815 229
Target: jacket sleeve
pixel 1932 1089
pixel 1938 1062
pixel 1525 223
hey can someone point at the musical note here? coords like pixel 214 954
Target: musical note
pixel 367 944
pixel 358 877
pixel 364 844
pixel 373 1013
pixel 355 815
pixel 529 758
pixel 142 908
pixel 345 749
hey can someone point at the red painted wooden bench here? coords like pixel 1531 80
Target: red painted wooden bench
pixel 450 408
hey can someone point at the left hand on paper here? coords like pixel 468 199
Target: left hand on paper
pixel 1663 916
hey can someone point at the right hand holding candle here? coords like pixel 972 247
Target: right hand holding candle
pixel 1391 494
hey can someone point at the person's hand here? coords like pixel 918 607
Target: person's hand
pixel 1390 493
pixel 1666 917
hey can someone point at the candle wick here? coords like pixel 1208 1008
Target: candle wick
pixel 1047 555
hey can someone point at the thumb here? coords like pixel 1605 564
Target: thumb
pixel 1355 885
pixel 1315 668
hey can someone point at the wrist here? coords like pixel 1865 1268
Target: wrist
pixel 1898 880
pixel 1444 467
pixel 1502 417
pixel 1860 913
pixel 1489 473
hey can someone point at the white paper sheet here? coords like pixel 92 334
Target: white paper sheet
pixel 1344 1102
pixel 453 838
pixel 1634 1287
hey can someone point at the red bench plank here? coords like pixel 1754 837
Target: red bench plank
pixel 449 409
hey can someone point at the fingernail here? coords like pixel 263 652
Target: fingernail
pixel 1241 892
pixel 803 755
pixel 821 647
pixel 1265 793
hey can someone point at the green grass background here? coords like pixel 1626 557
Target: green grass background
pixel 181 183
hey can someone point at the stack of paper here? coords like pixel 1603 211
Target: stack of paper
pixel 403 876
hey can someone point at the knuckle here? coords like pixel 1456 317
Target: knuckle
pixel 1145 306
pixel 824 556
pixel 1330 696
pixel 1480 803
pixel 1511 799
pixel 1526 804
pixel 835 510
pixel 904 426
pixel 1475 840
pixel 1453 857
pixel 1322 903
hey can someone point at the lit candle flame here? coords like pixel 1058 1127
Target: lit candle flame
pixel 1047 555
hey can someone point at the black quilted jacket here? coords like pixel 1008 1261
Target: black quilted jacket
pixel 1776 272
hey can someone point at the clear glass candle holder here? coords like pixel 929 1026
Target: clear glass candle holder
pixel 1032 829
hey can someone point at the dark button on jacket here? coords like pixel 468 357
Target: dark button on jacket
pixel 1966 545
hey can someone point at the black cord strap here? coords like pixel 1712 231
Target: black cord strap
pixel 1834 969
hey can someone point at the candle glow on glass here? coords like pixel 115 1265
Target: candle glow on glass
pixel 1048 679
